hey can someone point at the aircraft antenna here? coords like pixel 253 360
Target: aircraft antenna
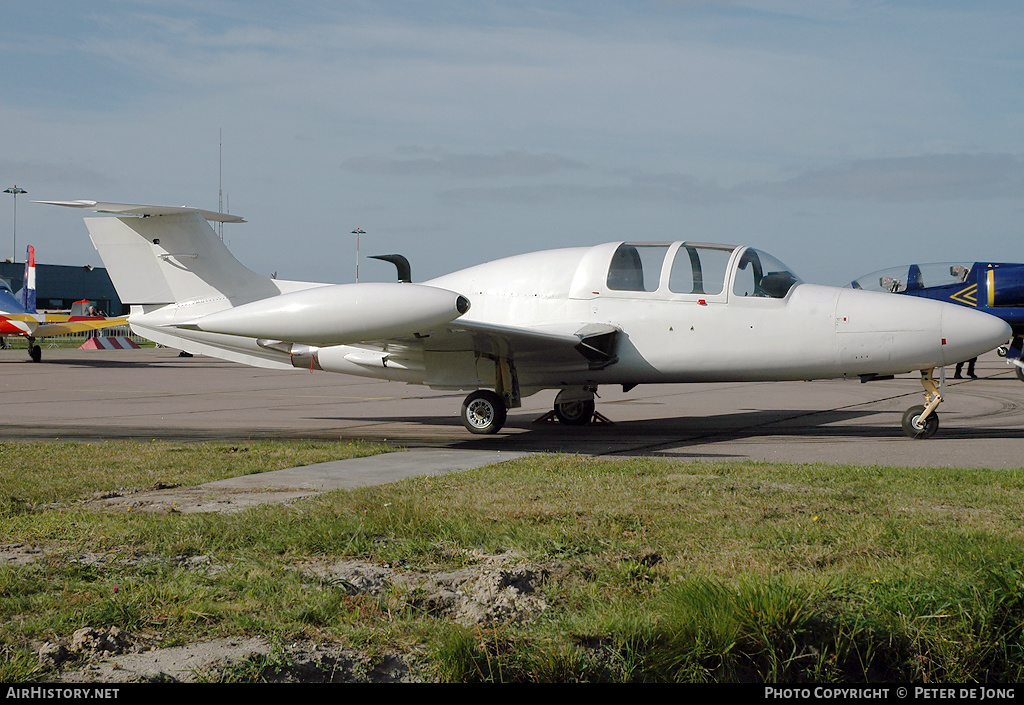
pixel 220 182
pixel 357 232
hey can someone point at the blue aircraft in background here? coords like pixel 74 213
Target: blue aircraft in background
pixel 996 288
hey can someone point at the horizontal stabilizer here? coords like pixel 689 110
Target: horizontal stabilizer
pixel 144 211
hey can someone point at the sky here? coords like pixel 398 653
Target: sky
pixel 842 137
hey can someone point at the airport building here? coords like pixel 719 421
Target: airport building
pixel 58 286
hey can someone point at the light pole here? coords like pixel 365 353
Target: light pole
pixel 14 190
pixel 357 232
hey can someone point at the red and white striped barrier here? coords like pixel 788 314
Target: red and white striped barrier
pixel 115 343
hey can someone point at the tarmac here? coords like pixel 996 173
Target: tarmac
pixel 153 393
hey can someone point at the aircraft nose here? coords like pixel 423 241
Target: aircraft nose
pixel 968 333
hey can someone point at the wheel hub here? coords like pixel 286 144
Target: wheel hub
pixel 480 413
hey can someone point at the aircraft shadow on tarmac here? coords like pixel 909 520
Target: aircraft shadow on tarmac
pixel 52 357
pixel 529 433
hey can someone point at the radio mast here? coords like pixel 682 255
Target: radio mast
pixel 220 183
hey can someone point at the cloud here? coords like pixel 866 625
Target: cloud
pixel 515 163
pixel 679 188
pixel 38 171
pixel 935 177
pixel 925 178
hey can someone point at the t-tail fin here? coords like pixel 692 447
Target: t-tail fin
pixel 157 255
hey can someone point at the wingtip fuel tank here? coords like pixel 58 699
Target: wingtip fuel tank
pixel 342 313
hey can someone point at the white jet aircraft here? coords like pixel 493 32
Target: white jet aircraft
pixel 622 313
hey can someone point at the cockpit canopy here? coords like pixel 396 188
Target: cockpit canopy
pixel 698 268
pixel 911 277
pixel 9 302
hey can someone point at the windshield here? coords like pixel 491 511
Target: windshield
pixel 760 274
pixel 914 276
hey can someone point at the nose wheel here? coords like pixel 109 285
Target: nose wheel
pixel 920 422
pixel 918 426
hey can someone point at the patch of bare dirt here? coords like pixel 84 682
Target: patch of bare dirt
pixel 488 590
pixel 112 656
pixel 176 499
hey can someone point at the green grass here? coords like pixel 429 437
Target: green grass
pixel 33 475
pixel 667 571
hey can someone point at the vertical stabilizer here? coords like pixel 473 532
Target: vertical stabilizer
pixel 164 259
pixel 28 289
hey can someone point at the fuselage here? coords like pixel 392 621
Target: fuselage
pixel 683 312
pixel 569 319
pixel 15 320
pixel 725 329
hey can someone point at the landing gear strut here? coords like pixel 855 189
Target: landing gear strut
pixel 1014 354
pixel 922 422
pixel 485 411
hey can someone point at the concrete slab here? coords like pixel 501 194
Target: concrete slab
pixel 238 493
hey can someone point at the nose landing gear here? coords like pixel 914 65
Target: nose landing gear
pixel 920 422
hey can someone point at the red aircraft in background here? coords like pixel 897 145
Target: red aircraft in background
pixel 19 317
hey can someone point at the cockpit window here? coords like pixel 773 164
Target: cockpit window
pixel 915 276
pixel 760 274
pixel 636 267
pixel 699 269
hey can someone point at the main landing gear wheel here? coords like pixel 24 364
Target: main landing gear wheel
pixel 575 413
pixel 916 429
pixel 35 352
pixel 483 411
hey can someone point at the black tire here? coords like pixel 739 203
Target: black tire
pixel 919 431
pixel 1020 372
pixel 575 413
pixel 483 411
pixel 36 353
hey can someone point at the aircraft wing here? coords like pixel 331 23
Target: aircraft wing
pixel 569 344
pixel 75 324
pixel 541 339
